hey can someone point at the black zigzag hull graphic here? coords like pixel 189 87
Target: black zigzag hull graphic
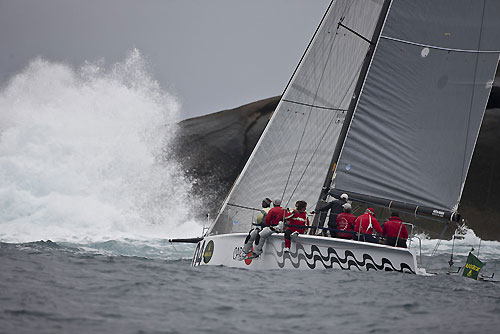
pixel 348 262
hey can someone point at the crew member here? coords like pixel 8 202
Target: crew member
pixel 335 208
pixel 274 223
pixel 257 227
pixel 345 222
pixel 294 223
pixel 365 225
pixel 395 231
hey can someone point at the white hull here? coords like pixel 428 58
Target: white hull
pixel 306 252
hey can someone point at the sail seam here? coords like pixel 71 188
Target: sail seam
pixel 314 106
pixel 438 47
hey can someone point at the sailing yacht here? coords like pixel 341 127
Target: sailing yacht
pixel 385 105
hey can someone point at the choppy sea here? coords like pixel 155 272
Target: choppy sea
pixel 130 287
pixel 83 164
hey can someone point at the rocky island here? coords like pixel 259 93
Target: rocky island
pixel 214 148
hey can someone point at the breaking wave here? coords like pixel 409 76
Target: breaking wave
pixel 465 240
pixel 82 155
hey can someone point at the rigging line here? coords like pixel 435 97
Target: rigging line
pixel 309 114
pixel 313 106
pixel 310 160
pixel 346 9
pixel 437 246
pixel 243 207
pixel 296 155
pixel 356 33
pixel 324 133
pixel 439 47
pixel 472 95
pixel 326 130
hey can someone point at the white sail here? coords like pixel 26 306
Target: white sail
pixel 292 158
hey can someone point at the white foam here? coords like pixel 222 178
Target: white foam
pixel 460 246
pixel 81 155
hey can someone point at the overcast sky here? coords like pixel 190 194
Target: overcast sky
pixel 211 54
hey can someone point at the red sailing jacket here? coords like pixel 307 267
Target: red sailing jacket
pixel 345 222
pixel 391 228
pixel 298 218
pixel 364 220
pixel 276 214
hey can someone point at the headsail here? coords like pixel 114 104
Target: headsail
pixel 292 158
pixel 414 128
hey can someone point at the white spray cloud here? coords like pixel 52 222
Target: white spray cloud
pixel 79 155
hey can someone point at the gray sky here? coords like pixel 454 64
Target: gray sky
pixel 211 54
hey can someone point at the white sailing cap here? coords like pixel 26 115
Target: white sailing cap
pixel 344 197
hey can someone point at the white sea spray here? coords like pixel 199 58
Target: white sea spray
pixel 80 155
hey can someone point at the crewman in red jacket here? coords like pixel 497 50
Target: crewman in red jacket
pixel 345 222
pixel 294 223
pixel 274 223
pixel 365 224
pixel 395 231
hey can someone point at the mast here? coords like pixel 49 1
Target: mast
pixel 354 100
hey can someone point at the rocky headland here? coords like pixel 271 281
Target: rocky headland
pixel 214 148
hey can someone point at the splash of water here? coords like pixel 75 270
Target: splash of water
pixel 80 155
pixel 464 242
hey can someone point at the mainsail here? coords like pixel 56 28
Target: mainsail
pixel 417 118
pixel 292 158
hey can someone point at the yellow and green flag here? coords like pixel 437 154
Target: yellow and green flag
pixel 472 267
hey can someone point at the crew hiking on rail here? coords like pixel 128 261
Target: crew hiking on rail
pixel 274 223
pixel 347 226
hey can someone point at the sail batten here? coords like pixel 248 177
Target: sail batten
pixel 314 105
pixel 357 34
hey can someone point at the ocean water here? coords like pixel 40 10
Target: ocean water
pixel 82 163
pixel 50 288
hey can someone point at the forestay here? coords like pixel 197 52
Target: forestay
pixel 416 122
pixel 292 158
